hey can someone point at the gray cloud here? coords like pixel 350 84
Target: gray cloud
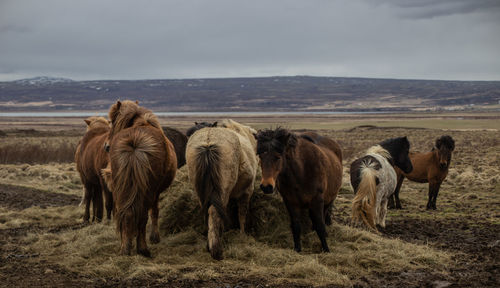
pixel 225 38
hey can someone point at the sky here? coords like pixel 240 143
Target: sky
pixel 125 39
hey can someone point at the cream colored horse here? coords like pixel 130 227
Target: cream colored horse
pixel 222 164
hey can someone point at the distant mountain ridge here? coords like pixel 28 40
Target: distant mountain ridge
pixel 296 93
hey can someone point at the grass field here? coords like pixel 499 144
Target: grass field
pixel 44 243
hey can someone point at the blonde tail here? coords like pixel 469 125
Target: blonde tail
pixel 364 203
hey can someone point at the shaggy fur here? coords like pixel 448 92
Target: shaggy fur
pixel 90 158
pixel 307 171
pixel 222 164
pixel 430 167
pixel 373 179
pixel 179 140
pixel 142 165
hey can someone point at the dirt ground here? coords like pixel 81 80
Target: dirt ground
pixel 466 224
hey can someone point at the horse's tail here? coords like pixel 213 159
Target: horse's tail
pixel 130 181
pixel 364 203
pixel 207 185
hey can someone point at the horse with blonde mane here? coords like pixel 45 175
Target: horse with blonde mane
pixel 142 165
pixel 373 179
pixel 222 164
pixel 90 158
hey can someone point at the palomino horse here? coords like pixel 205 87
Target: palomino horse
pixel 179 140
pixel 431 167
pixel 90 158
pixel 142 165
pixel 373 179
pixel 307 171
pixel 222 164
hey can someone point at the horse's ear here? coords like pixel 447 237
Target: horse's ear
pixel 137 102
pixel 214 124
pixel 87 121
pixel 195 123
pixel 118 104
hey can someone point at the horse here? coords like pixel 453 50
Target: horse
pixel 198 125
pixel 90 158
pixel 222 164
pixel 431 167
pixel 306 169
pixel 179 140
pixel 142 165
pixel 373 179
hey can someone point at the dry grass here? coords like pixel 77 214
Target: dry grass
pixel 266 252
pixel 38 150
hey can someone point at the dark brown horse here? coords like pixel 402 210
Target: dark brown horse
pixel 143 164
pixel 199 125
pixel 179 140
pixel 90 158
pixel 431 167
pixel 307 171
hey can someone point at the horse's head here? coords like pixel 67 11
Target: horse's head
pixel 445 146
pixel 95 122
pixel 123 114
pixel 271 148
pixel 399 149
pixel 199 125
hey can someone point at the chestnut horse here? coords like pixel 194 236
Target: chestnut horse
pixel 373 179
pixel 306 169
pixel 431 167
pixel 142 165
pixel 222 164
pixel 90 158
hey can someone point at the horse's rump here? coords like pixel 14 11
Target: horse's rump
pixel 138 158
pixel 365 187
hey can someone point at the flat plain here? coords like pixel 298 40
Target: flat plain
pixel 43 241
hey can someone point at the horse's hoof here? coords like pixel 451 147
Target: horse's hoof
pixel 154 238
pixel 325 250
pixel 144 252
pixel 297 249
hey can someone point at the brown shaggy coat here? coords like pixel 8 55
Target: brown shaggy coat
pixel 142 165
pixel 306 169
pixel 90 158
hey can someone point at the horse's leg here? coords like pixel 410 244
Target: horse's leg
pixel 86 216
pixel 142 246
pixel 395 197
pixel 154 236
pixel 109 200
pixel 435 191
pixel 243 209
pixel 318 220
pixel 328 214
pixel 383 213
pixel 98 202
pixel 294 213
pixel 126 240
pixel 431 195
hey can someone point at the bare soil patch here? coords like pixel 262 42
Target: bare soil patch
pixel 20 197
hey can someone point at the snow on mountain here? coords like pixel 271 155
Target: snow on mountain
pixel 43 80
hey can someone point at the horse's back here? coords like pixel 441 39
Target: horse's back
pixel 325 142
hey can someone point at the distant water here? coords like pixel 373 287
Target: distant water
pixel 93 113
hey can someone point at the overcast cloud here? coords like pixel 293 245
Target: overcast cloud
pixel 124 39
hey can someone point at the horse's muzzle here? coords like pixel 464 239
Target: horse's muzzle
pixel 443 166
pixel 268 189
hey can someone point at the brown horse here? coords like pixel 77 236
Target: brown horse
pixel 142 165
pixel 179 140
pixel 431 167
pixel 90 158
pixel 307 171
